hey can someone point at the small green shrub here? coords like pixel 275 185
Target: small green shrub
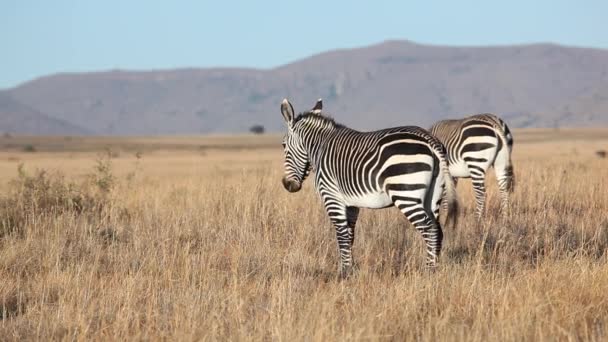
pixel 51 194
pixel 29 148
pixel 103 177
pixel 257 129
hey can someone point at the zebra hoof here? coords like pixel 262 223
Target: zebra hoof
pixel 346 272
pixel 431 266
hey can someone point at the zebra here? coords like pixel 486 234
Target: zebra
pixel 473 144
pixel 404 167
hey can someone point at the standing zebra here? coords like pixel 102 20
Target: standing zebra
pixel 473 144
pixel 402 166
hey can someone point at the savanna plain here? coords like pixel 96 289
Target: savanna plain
pixel 194 238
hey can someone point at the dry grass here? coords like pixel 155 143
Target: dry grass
pixel 207 245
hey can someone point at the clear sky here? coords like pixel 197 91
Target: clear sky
pixel 43 37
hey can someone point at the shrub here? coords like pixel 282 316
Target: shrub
pixel 257 129
pixel 103 177
pixel 51 194
pixel 29 148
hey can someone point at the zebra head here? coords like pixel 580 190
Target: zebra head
pixel 297 162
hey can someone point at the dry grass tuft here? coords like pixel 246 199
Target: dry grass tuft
pixel 49 195
pixel 190 247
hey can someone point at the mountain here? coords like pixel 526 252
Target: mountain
pixel 392 83
pixel 18 118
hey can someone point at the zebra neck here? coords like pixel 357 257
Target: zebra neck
pixel 315 142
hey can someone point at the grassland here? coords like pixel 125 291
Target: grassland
pixel 195 239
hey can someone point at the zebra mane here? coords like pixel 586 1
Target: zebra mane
pixel 317 118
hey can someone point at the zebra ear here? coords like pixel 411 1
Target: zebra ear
pixel 287 111
pixel 318 107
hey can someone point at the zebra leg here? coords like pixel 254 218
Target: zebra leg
pixel 433 237
pixel 432 234
pixel 342 218
pixel 428 226
pixel 504 195
pixel 352 214
pixel 478 177
pixel 504 177
pixel 347 268
pixel 479 189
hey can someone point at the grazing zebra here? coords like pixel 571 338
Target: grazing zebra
pixel 473 144
pixel 402 166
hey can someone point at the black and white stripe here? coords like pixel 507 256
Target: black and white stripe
pixel 473 144
pixel 402 166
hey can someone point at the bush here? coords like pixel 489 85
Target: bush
pixel 51 194
pixel 257 129
pixel 29 148
pixel 103 177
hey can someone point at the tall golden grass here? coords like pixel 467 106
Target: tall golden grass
pixel 204 244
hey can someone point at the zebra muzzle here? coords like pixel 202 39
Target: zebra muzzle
pixel 291 185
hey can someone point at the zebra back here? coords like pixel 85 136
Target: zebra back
pixel 448 130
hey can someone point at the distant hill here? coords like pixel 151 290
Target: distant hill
pixel 392 83
pixel 18 118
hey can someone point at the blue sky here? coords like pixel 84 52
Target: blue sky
pixel 43 37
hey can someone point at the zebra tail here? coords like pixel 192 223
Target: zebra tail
pixel 507 139
pixel 452 200
pixel 451 196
